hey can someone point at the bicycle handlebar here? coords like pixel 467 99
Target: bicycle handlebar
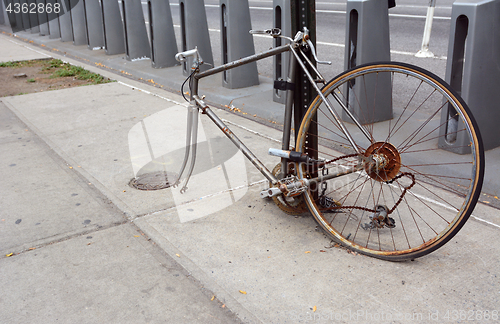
pixel 182 56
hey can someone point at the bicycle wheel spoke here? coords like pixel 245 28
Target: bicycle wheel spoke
pixel 407 198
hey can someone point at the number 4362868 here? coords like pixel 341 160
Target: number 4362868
pixel 33 8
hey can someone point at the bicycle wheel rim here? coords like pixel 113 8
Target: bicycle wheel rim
pixel 468 197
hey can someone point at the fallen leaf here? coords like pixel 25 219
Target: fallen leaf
pixel 71 167
pixel 9 255
pixel 243 292
pixel 223 306
pixel 213 297
pixel 314 308
pixel 178 255
pixel 322 251
pixel 32 248
pixel 137 236
pixel 308 252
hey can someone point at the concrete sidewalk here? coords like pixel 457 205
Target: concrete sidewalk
pixel 92 263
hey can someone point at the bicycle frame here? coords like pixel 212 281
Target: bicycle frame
pixel 197 103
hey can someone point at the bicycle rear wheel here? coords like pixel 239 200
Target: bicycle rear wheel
pixel 408 197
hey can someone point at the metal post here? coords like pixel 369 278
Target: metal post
pixel 473 71
pixel 424 51
pixel 194 33
pixel 43 20
pixel 2 13
pixel 78 22
pixel 18 17
pixel 283 21
pixel 65 25
pixel 367 40
pixel 114 39
pixel 304 15
pixel 9 16
pixel 136 37
pixel 25 16
pixel 162 35
pixel 236 42
pixel 53 21
pixel 93 19
pixel 35 28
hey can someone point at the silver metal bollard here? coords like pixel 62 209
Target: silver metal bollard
pixel 283 20
pixel 43 20
pixel 65 25
pixel 236 43
pixel 53 20
pixel 424 51
pixel 3 16
pixel 18 18
pixel 35 28
pixel 367 40
pixel 473 70
pixel 136 37
pixel 10 17
pixel 114 38
pixel 25 16
pixel 162 35
pixel 194 33
pixel 78 22
pixel 93 21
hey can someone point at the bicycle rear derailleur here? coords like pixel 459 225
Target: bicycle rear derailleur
pixel 379 219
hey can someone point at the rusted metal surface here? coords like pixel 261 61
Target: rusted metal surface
pixel 386 161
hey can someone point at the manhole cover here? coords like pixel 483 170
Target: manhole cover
pixel 154 181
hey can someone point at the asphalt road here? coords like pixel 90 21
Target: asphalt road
pixel 406 21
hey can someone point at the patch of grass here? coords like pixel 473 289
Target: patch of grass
pixel 9 64
pixel 59 69
pixel 67 70
pixel 53 64
pixel 18 64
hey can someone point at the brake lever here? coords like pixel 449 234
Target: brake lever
pixel 274 32
pixel 313 51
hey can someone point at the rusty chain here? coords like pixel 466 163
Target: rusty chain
pixel 403 174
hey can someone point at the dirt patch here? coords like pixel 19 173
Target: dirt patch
pixel 18 78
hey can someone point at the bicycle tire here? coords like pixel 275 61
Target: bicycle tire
pixel 426 211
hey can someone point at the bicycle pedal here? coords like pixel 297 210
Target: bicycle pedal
pixel 270 192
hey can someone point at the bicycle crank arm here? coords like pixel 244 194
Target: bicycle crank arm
pixel 291 187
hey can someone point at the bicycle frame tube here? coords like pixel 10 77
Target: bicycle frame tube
pixel 195 99
pixel 332 111
pixel 245 60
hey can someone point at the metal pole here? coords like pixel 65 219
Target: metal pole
pixel 304 15
pixel 424 51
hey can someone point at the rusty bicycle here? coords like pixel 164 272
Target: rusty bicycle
pixel 366 161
